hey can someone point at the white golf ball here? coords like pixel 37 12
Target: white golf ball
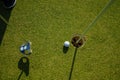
pixel 66 43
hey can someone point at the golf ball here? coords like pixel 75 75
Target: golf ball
pixel 66 43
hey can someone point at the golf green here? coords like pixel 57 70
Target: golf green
pixel 48 24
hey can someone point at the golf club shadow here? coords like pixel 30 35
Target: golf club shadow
pixel 65 49
pixel 72 66
pixel 23 65
pixel 5 13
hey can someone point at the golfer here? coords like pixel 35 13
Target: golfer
pixel 9 3
pixel 26 48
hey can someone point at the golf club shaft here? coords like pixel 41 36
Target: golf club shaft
pixel 95 20
pixel 4 19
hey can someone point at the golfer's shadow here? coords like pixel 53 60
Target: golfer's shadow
pixel 23 65
pixel 5 13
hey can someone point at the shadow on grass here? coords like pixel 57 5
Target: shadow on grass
pixel 65 49
pixel 5 13
pixel 23 65
pixel 72 66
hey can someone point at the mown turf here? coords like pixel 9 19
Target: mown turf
pixel 47 24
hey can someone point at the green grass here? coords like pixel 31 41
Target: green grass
pixel 47 24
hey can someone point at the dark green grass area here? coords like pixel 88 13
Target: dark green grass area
pixel 47 24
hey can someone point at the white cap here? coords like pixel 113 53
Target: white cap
pixel 21 48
